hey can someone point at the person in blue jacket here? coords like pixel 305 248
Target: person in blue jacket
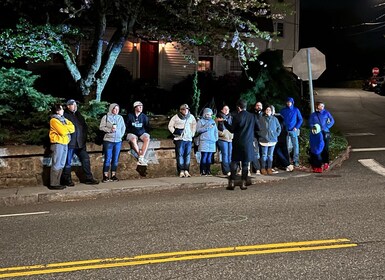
pixel 208 137
pixel 293 120
pixel 269 130
pixel 317 144
pixel 325 120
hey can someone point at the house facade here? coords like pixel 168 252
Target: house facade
pixel 161 63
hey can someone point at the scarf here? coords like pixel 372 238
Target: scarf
pixel 183 117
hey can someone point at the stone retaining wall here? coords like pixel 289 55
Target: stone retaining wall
pixel 29 165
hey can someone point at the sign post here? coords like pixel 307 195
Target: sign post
pixel 308 65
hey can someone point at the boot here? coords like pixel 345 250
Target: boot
pixel 202 168
pixel 243 185
pixel 270 171
pixel 230 186
pixel 263 171
pixel 208 171
pixel 55 179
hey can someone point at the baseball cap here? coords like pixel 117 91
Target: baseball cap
pixel 137 103
pixel 71 102
pixel 184 106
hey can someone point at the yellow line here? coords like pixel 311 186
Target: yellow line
pixel 175 256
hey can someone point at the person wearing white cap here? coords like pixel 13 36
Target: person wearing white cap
pixel 138 126
pixel 183 127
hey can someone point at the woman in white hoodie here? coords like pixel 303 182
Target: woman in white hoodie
pixel 114 127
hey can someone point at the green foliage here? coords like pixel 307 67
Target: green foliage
pixel 26 111
pixel 196 95
pixel 35 43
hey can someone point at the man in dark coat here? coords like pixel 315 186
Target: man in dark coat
pixel 243 126
pixel 77 146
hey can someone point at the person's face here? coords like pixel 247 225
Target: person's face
pixel 139 108
pixel 268 111
pixel 288 104
pixel 115 111
pixel 60 111
pixel 258 106
pixel 225 110
pixel 72 107
pixel 320 107
pixel 184 111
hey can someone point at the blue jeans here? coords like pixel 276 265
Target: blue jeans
pixel 226 148
pixel 84 159
pixel 293 136
pixel 267 156
pixel 111 152
pixel 183 155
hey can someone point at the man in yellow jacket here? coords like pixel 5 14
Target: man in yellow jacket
pixel 59 135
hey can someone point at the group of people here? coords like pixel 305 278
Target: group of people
pixel 247 141
pixel 250 140
pixel 68 136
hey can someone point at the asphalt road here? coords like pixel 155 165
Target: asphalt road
pixel 346 207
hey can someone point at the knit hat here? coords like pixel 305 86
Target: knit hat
pixel 184 106
pixel 316 129
pixel 71 102
pixel 137 103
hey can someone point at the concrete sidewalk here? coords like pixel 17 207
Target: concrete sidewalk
pixel 41 194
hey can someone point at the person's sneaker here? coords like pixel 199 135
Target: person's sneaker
pixel 274 171
pixel 290 168
pixel 105 179
pixel 114 178
pixel 326 166
pixel 91 181
pixel 181 174
pixel 317 170
pixel 258 172
pixel 228 174
pixel 142 161
pixel 187 174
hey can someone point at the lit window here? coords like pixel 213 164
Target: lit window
pixel 205 64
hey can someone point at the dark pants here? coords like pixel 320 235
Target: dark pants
pixel 84 159
pixel 234 167
pixel 325 151
pixel 315 160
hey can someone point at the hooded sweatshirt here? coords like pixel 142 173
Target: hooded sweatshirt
pixel 208 132
pixel 291 116
pixel 108 121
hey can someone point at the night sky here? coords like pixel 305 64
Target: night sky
pixel 349 32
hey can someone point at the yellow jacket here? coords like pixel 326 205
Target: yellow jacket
pixel 59 132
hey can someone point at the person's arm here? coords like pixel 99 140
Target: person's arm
pixel 171 124
pixel 330 120
pixel 299 119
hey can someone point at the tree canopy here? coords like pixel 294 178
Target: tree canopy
pixel 222 26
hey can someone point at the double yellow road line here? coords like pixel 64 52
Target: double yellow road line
pixel 176 256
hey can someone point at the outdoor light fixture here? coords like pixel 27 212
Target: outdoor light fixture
pixel 135 45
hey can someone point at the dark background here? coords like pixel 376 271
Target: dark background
pixel 349 32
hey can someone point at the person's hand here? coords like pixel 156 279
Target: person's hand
pixel 220 119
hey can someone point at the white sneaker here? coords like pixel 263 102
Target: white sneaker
pixel 290 168
pixel 142 161
pixel 229 174
pixel 274 171
pixel 187 174
pixel 258 172
pixel 181 174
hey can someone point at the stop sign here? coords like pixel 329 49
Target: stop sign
pixel 375 71
pixel 300 63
